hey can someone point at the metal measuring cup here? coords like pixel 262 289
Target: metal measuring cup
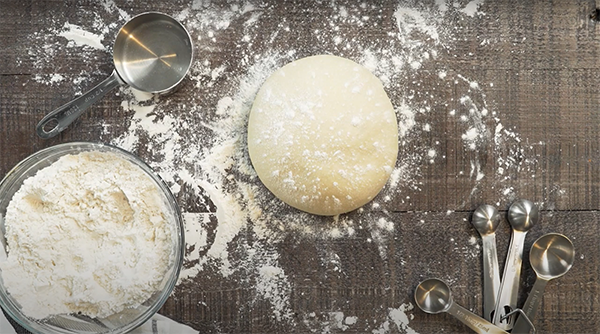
pixel 551 256
pixel 152 53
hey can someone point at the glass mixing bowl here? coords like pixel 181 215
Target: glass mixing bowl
pixel 121 322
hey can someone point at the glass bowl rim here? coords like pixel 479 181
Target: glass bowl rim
pixel 16 175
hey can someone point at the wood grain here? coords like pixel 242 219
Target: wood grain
pixel 538 72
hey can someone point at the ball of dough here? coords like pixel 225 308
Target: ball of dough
pixel 323 135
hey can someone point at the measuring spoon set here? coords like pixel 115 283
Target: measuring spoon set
pixel 551 256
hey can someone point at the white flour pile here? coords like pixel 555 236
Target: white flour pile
pixel 87 234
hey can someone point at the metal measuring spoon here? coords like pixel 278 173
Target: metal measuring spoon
pixel 522 216
pixel 433 296
pixel 152 53
pixel 551 256
pixel 485 220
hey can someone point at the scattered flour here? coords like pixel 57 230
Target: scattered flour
pixel 330 322
pixel 472 8
pixel 399 318
pixel 381 230
pixel 196 239
pixel 110 7
pixel 80 37
pixel 49 79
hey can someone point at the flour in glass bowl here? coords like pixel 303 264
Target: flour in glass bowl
pixel 88 234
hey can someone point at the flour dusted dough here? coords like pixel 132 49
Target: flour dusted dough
pixel 323 135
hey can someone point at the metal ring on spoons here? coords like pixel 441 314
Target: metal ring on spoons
pixel 433 296
pixel 486 220
pixel 551 257
pixel 522 216
pixel 521 315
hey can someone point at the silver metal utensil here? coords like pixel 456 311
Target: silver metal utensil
pixel 486 220
pixel 152 53
pixel 433 296
pixel 551 256
pixel 522 216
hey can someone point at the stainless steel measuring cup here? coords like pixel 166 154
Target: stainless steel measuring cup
pixel 152 53
pixel 486 220
pixel 551 256
pixel 522 216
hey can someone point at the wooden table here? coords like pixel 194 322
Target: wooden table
pixel 497 100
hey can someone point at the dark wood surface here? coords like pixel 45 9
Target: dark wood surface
pixel 536 108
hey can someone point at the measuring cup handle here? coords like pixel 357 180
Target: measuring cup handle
pixel 57 120
pixel 491 276
pixel 509 285
pixel 530 307
pixel 477 324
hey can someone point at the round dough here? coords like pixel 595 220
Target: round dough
pixel 323 135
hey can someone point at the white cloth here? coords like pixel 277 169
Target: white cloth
pixel 5 326
pixel 158 324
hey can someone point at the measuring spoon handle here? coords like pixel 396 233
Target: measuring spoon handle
pixel 475 322
pixel 491 275
pixel 58 120
pixel 530 307
pixel 509 287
